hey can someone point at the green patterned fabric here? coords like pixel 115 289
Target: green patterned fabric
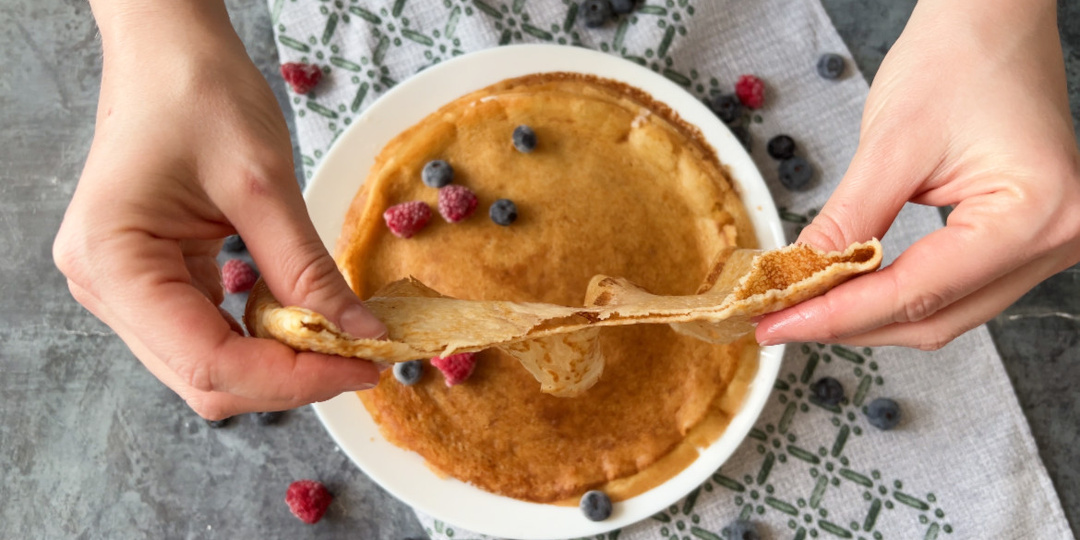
pixel 962 464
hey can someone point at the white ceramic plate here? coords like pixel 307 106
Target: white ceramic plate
pixel 329 194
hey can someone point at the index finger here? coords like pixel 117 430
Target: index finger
pixel 152 297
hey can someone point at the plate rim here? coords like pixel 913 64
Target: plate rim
pixel 552 521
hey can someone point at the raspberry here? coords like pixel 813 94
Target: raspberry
pixel 237 276
pixel 456 367
pixel 456 203
pixel 308 500
pixel 751 91
pixel 406 219
pixel 301 77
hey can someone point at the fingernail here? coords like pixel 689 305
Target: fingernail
pixel 359 322
pixel 363 386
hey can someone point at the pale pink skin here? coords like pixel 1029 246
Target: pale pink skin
pixel 969 109
pixel 190 146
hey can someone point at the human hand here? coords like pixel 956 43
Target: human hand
pixel 968 109
pixel 190 146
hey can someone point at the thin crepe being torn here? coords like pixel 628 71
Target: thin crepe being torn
pixel 558 345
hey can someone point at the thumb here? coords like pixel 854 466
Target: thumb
pixel 864 205
pixel 271 217
pixel 889 168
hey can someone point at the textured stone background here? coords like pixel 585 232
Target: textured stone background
pixel 92 446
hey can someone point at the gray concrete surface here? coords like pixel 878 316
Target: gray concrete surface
pixel 92 446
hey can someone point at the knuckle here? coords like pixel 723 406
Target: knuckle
pixel 315 275
pixel 262 171
pixel 77 292
pixel 825 232
pixel 920 306
pixel 935 341
pixel 210 407
pixel 831 332
pixel 65 254
pixel 199 377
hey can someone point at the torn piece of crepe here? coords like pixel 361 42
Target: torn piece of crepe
pixel 558 344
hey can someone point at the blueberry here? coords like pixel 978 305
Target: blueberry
pixel 742 135
pixel 596 13
pixel 827 391
pixel 622 7
pixel 408 373
pixel 796 173
pixel 742 529
pixel 234 244
pixel 219 423
pixel 727 107
pixel 437 173
pixel 524 139
pixel 596 505
pixel 883 413
pixel 781 147
pixel 830 66
pixel 503 212
pixel 268 418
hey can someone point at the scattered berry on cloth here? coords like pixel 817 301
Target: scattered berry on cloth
pixel 596 13
pixel 623 7
pixel 237 276
pixel 883 413
pixel 726 107
pixel 827 391
pixel 742 529
pixel 830 66
pixel 796 173
pixel 751 91
pixel 781 147
pixel 301 77
pixel 234 244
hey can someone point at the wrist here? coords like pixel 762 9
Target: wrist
pixel 137 25
pixel 990 16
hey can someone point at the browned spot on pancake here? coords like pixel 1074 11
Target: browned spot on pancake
pixel 603 299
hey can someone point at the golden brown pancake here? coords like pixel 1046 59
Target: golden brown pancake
pixel 617 185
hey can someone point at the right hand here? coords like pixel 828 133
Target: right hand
pixel 190 146
pixel 968 110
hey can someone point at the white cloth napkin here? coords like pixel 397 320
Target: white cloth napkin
pixel 962 464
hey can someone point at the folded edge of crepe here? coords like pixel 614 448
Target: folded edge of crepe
pixel 558 345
